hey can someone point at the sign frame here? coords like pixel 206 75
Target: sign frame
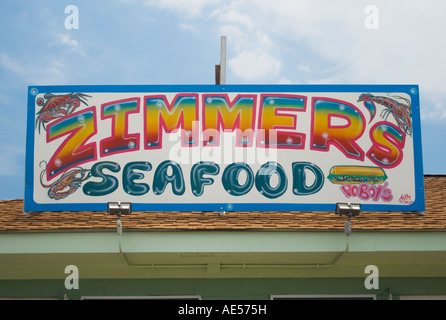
pixel 30 205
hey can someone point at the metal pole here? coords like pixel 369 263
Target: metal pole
pixel 223 61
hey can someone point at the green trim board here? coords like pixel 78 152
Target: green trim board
pixel 219 241
pixel 105 255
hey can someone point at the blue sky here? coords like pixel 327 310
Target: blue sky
pixel 126 42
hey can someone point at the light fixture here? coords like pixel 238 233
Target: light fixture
pixel 350 210
pixel 117 209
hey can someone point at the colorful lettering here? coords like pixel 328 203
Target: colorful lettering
pixel 282 121
pixel 388 143
pixel 196 176
pixel 263 180
pixel 219 113
pixel 300 187
pixel 73 151
pixel 129 176
pixel 120 140
pixel 406 199
pixel 366 191
pixel 231 182
pixel 108 184
pixel 162 178
pixel 337 123
pixel 160 114
pixel 274 115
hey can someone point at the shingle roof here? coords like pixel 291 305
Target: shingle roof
pixel 12 218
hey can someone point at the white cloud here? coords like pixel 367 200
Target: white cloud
pixel 189 8
pixel 325 41
pixel 188 27
pixel 289 41
pixel 255 66
pixel 434 110
pixel 48 71
pixel 72 44
pixel 231 15
pixel 328 42
pixel 51 68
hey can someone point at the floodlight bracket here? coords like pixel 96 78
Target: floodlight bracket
pixel 119 208
pixel 350 210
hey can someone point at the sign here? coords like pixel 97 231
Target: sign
pixel 224 147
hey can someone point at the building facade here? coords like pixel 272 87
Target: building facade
pixel 235 255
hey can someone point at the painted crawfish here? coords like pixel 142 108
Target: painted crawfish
pixel 400 111
pixel 67 184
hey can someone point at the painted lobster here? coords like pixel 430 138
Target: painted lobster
pixel 57 106
pixel 67 184
pixel 400 111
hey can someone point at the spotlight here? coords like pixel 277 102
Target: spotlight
pixel 119 208
pixel 348 209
